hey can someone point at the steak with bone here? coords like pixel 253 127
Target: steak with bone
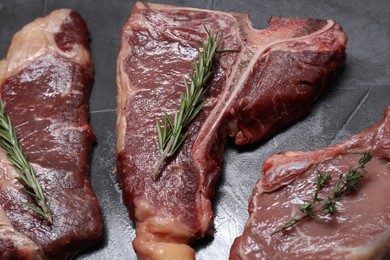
pixel 273 81
pixel 360 227
pixel 45 81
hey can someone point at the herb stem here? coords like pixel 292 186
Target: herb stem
pixel 163 157
pixel 171 132
pixel 346 183
pixel 26 174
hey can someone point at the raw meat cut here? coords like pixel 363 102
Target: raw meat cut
pixel 360 228
pixel 273 80
pixel 45 81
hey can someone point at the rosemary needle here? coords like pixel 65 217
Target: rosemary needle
pixel 170 132
pixel 26 174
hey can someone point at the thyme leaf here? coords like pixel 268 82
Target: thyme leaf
pixel 346 183
pixel 26 174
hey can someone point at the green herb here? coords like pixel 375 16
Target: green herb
pixel 26 174
pixel 171 134
pixel 346 183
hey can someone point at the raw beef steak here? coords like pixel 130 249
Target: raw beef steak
pixel 359 229
pixel 273 80
pixel 45 82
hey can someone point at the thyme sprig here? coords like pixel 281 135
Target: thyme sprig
pixel 171 133
pixel 26 174
pixel 319 207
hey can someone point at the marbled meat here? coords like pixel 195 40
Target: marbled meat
pixel 45 81
pixel 360 227
pixel 273 81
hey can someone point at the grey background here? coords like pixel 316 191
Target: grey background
pixel 353 102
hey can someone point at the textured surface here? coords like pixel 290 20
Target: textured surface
pixel 354 102
pixel 45 81
pixel 252 94
pixel 359 228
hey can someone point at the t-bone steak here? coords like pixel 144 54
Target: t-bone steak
pixel 45 81
pixel 273 81
pixel 360 227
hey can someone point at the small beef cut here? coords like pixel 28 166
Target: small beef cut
pixel 360 227
pixel 273 80
pixel 45 81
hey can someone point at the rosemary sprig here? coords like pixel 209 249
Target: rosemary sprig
pixel 319 208
pixel 171 133
pixel 26 174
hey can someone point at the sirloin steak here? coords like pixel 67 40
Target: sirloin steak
pixel 45 81
pixel 273 81
pixel 360 228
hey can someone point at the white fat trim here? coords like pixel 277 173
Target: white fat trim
pixel 372 250
pixel 36 40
